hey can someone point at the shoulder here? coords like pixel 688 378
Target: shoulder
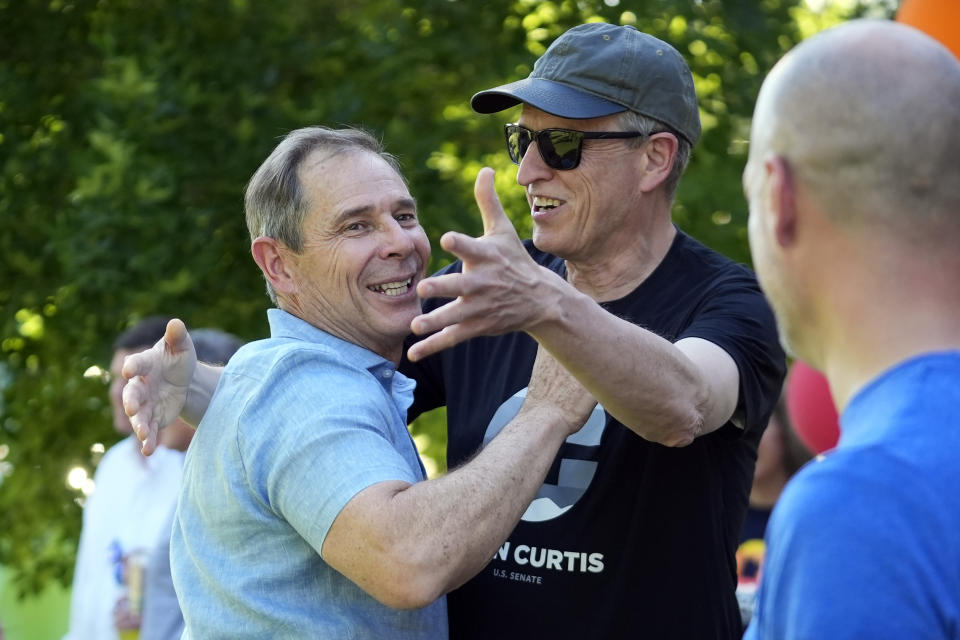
pixel 307 382
pixel 849 504
pixel 691 278
pixel 724 300
pixel 286 389
pixel 719 270
pixel 820 488
pixel 284 367
pixel 846 541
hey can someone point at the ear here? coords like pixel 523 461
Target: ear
pixel 661 149
pixel 783 200
pixel 274 260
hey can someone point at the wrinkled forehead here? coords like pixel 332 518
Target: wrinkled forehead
pixel 351 180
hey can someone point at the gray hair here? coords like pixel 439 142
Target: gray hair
pixel 275 201
pixel 633 121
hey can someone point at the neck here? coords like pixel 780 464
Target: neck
pixel 868 352
pixel 886 316
pixel 619 271
pixel 391 350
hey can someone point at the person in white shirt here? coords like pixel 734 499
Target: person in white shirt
pixel 115 515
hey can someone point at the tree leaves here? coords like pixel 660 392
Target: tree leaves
pixel 128 131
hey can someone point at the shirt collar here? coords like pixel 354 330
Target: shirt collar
pixel 286 325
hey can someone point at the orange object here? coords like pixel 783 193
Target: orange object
pixel 939 19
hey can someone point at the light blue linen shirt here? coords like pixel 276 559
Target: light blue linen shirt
pixel 299 424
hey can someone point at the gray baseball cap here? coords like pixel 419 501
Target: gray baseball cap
pixel 599 69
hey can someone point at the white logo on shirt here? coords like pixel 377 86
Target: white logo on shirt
pixel 578 463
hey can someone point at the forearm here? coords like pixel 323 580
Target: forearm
pixel 486 497
pixel 428 538
pixel 200 392
pixel 643 380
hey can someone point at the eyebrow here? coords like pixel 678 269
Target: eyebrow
pixel 401 203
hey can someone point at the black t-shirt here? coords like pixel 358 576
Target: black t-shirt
pixel 626 538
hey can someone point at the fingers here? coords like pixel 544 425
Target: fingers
pixel 150 443
pixel 443 339
pixel 459 312
pixel 466 248
pixel 146 432
pixel 141 415
pixel 437 319
pixel 491 211
pixel 146 429
pixel 132 394
pixel 137 364
pixel 176 338
pixel 450 285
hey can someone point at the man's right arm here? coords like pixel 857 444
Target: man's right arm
pixel 166 382
pixel 408 544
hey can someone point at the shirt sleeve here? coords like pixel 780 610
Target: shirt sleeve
pixel 323 435
pixel 737 318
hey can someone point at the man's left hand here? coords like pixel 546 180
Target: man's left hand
pixel 500 289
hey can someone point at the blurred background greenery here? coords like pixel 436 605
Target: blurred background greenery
pixel 129 129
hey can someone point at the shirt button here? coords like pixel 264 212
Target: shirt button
pixel 387 373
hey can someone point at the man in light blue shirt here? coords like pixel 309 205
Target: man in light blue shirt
pixel 305 510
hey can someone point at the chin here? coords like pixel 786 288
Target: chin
pixel 398 327
pixel 546 242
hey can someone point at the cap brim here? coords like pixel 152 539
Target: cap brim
pixel 554 98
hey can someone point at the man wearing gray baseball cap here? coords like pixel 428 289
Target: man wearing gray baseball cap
pixel 597 70
pixel 634 532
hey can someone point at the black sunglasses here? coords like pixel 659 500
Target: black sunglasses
pixel 560 148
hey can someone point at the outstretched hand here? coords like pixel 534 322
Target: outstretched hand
pixel 497 290
pixel 158 380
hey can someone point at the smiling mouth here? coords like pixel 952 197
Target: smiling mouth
pixel 392 289
pixel 542 203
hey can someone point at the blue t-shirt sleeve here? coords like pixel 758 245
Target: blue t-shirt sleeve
pixel 319 436
pixel 836 567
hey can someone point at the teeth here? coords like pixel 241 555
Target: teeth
pixel 542 202
pixel 393 288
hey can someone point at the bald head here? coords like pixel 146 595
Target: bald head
pixel 867 116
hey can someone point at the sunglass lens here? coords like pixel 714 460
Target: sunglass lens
pixel 518 141
pixel 560 148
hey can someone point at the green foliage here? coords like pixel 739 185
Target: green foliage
pixel 128 131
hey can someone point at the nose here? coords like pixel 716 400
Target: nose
pixel 532 167
pixel 396 240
